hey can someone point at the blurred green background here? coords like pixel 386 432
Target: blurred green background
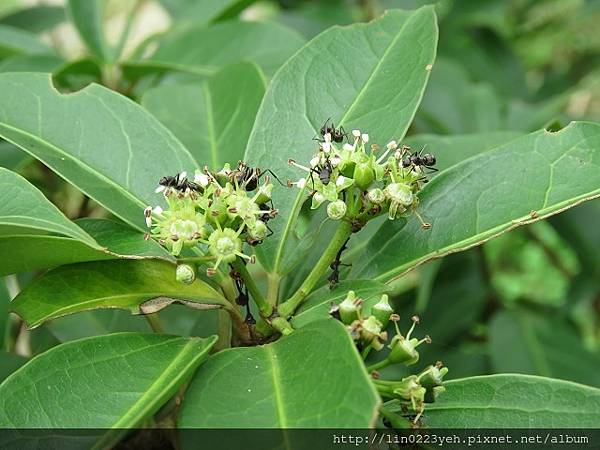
pixel 527 302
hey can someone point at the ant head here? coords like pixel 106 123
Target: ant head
pixel 164 181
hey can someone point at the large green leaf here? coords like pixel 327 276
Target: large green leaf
pixel 312 378
pixel 212 118
pixel 107 284
pixel 454 149
pixel 514 401
pixel 103 143
pixel 526 343
pixel 18 42
pixel 114 381
pixel 35 229
pixel 204 50
pixel 368 76
pixel 9 362
pixel 25 210
pixel 188 12
pixel 36 19
pixel 31 63
pixel 87 16
pixel 528 179
pixel 4 317
pixel 122 239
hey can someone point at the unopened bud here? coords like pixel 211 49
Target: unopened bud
pixel 185 273
pixel 336 210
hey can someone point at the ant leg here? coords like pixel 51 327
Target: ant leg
pixel 432 169
pixel 274 176
pixel 269 230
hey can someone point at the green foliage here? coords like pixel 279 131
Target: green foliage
pixel 90 126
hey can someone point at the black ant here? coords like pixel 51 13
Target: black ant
pixel 337 134
pixel 243 299
pixel 179 183
pixel 419 160
pixel 334 278
pixel 248 177
pixel 323 171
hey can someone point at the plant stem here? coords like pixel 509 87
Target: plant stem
pixel 154 323
pixel 379 365
pixel 344 231
pixel 273 280
pixel 224 331
pixel 265 308
pixel 395 420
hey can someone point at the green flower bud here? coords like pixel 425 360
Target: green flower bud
pixel 382 310
pixel 225 245
pixel 185 273
pixel 317 200
pixel 363 175
pixel 371 332
pixel 376 196
pixel 349 309
pixel 336 210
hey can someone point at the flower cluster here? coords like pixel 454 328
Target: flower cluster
pixel 369 332
pixel 358 184
pixel 219 211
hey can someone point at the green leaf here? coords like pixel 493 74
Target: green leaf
pixel 30 63
pixel 4 318
pixel 108 284
pixel 454 149
pixel 204 50
pixel 12 157
pixel 526 343
pixel 132 375
pixel 25 210
pixel 122 239
pixel 103 143
pixel 36 19
pixel 518 401
pixel 9 362
pixel 528 179
pixel 18 42
pixel 87 16
pixel 312 378
pixel 318 304
pixel 212 118
pixel 75 75
pixel 368 76
pixel 188 12
pixel 44 251
pixel 97 323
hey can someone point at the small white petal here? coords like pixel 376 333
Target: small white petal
pixel 326 146
pixel 157 210
pixel 356 133
pixel 365 138
pixel 315 161
pixel 201 179
pixel 148 222
pixel 327 137
pixel 392 145
pixel 348 147
pixel 182 175
pixel 159 189
pixel 341 180
pixel 335 160
pixel 301 183
pixel 319 197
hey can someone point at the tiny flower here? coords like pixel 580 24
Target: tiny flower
pixel 201 178
pixel 257 232
pixel 185 273
pixel 403 348
pixel 376 196
pixel 336 210
pixel 157 210
pixel 365 137
pixel 314 162
pixel 356 133
pixel 400 196
pixel 372 333
pixel 392 145
pixel 317 200
pixel 225 245
pixel 348 147
pixel 335 161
